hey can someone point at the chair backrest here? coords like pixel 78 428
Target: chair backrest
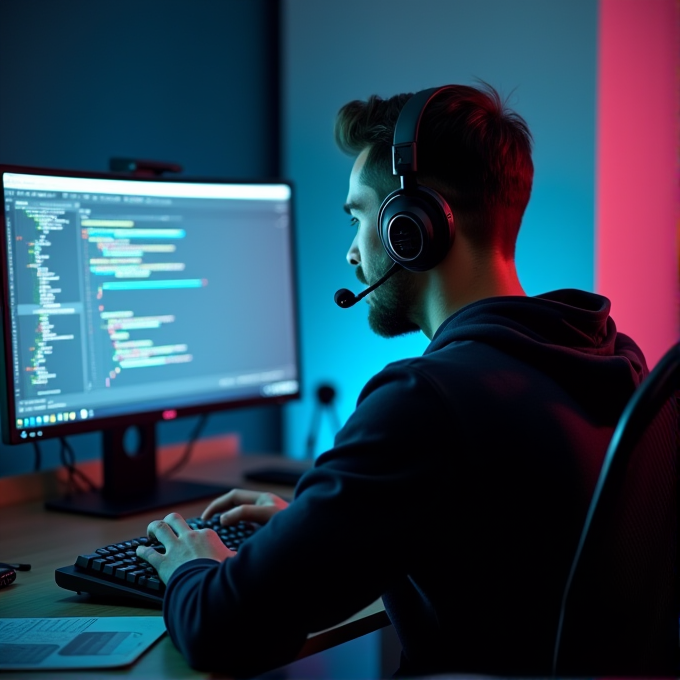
pixel 620 608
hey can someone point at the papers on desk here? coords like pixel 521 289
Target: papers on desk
pixel 78 642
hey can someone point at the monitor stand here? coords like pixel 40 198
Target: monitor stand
pixel 131 483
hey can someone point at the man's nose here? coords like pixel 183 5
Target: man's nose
pixel 353 257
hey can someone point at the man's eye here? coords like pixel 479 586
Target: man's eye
pixel 354 221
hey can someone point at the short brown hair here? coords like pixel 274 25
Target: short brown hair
pixel 472 149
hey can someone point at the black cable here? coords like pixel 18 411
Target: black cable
pixel 186 456
pixel 37 464
pixel 66 463
pixel 18 567
pixel 79 473
pixel 68 460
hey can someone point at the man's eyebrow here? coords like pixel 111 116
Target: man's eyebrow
pixel 352 205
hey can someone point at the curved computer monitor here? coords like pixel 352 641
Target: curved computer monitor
pixel 127 301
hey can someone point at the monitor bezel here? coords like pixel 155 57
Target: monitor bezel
pixel 12 435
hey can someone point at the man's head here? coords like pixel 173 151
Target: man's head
pixel 471 149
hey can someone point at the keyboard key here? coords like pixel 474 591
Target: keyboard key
pixel 110 567
pixel 153 583
pixel 84 561
pixel 132 576
pixel 122 572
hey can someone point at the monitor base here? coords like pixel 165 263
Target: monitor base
pixel 165 494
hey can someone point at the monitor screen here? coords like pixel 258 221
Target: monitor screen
pixel 137 300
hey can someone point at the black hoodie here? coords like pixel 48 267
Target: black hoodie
pixel 456 491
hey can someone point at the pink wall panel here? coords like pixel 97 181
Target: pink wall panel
pixel 638 147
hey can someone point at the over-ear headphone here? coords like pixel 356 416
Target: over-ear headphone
pixel 415 223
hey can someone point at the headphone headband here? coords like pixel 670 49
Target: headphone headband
pixel 405 142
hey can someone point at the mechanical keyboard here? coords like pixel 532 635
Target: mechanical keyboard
pixel 115 570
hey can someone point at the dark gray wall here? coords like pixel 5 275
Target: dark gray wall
pixel 189 82
pixel 195 83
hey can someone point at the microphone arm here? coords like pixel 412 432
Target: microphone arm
pixel 346 298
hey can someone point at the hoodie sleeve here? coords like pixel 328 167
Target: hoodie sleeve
pixel 338 546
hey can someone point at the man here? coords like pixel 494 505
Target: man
pixel 458 488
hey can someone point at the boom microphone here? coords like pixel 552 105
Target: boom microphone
pixel 346 298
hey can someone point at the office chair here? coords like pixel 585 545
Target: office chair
pixel 619 613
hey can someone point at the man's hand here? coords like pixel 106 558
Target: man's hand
pixel 182 544
pixel 240 505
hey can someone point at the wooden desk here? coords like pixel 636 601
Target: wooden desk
pixel 48 540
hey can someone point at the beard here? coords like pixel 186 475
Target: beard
pixel 390 305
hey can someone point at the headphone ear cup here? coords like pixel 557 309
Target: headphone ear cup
pixel 416 228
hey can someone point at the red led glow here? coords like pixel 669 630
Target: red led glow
pixel 638 205
pixel 170 414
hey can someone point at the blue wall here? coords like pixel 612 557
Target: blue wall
pixel 194 83
pixel 540 53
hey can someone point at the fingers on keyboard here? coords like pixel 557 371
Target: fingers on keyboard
pixel 119 565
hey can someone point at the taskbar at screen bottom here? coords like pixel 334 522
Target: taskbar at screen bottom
pixel 30 426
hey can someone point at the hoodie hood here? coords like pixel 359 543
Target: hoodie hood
pixel 566 334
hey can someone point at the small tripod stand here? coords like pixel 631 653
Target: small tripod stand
pixel 325 400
